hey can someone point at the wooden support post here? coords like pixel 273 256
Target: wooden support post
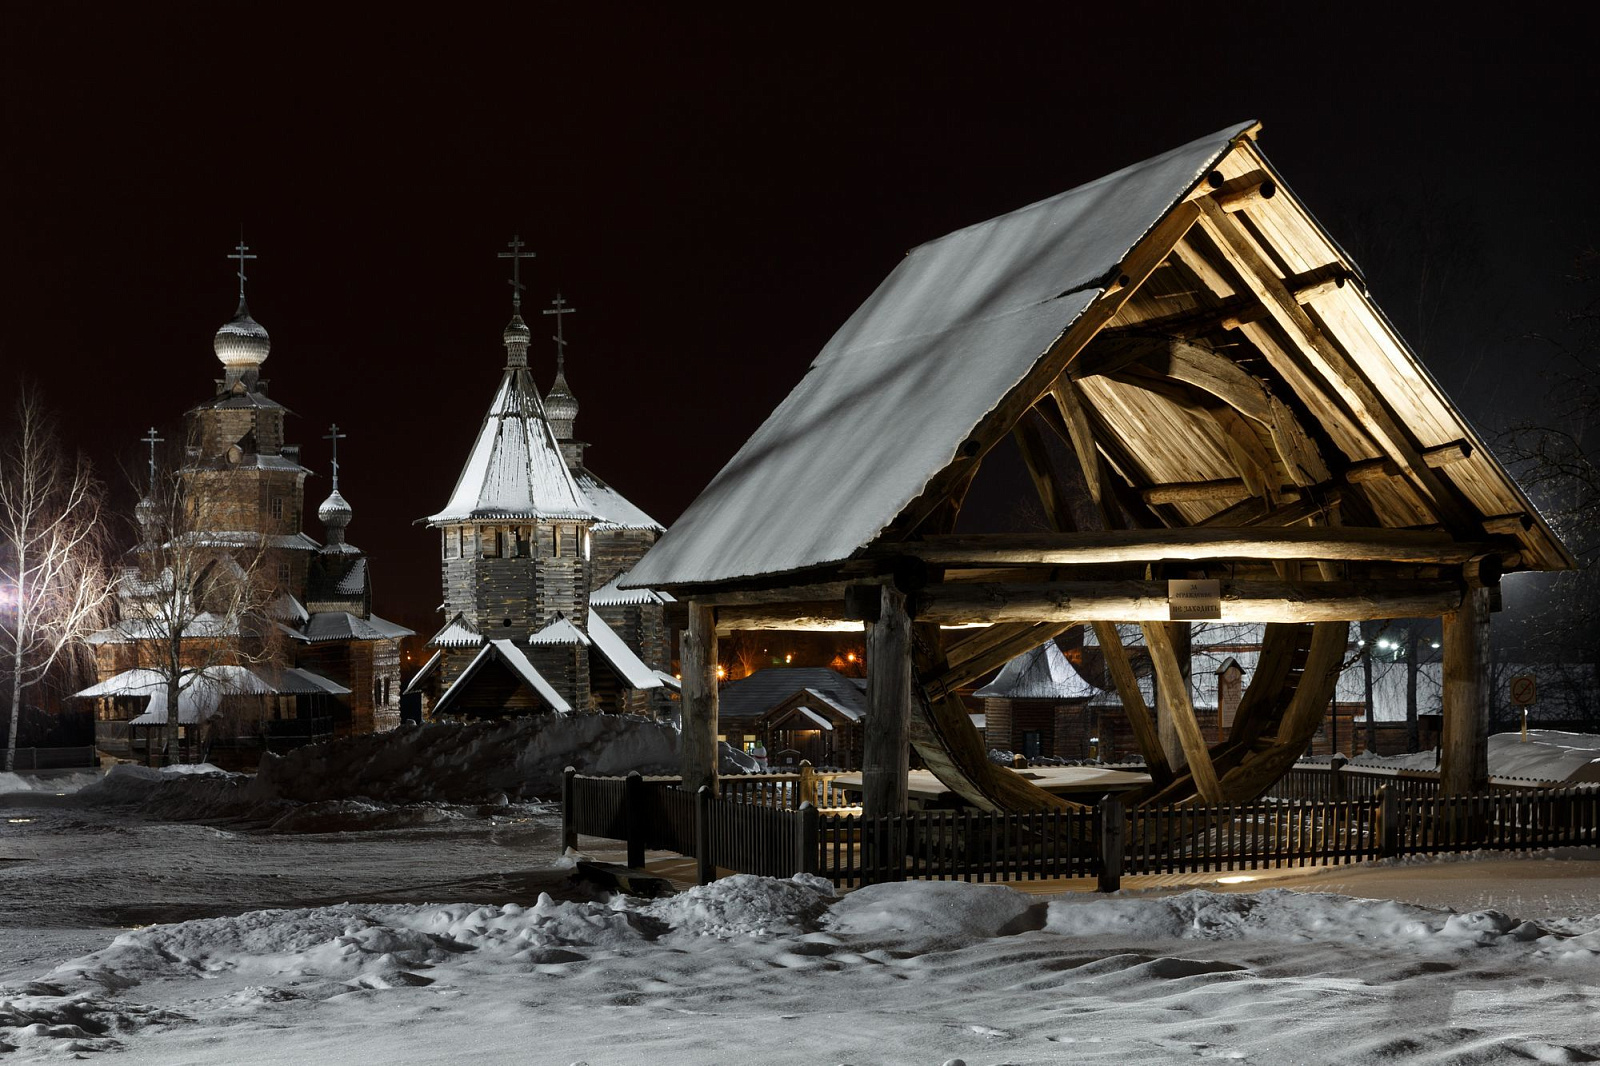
pixel 1464 745
pixel 698 660
pixel 633 806
pixel 806 849
pixel 886 756
pixel 1133 705
pixel 705 867
pixel 1170 697
pixel 806 787
pixel 1388 821
pixel 1172 692
pixel 569 814
pixel 1113 833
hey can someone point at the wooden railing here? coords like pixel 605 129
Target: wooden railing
pixel 1337 779
pixel 763 836
pixel 75 758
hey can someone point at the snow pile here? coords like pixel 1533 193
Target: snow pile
pixel 54 784
pixel 1548 755
pixel 926 916
pixel 745 905
pixel 468 763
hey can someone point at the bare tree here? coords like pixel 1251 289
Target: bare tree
pixel 198 607
pixel 52 554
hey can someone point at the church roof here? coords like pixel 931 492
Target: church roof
pixel 342 625
pixel 613 509
pixel 971 330
pixel 515 468
pixel 456 634
pixel 200 696
pixel 1040 674
pixel 561 631
pixel 612 595
pixel 760 692
pixel 512 656
pixel 615 651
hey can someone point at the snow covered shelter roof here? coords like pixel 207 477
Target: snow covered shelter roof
pixel 1119 294
pixel 893 396
pixel 515 468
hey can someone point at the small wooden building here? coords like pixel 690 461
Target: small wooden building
pixel 1192 376
pixel 796 713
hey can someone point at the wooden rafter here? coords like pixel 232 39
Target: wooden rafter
pixel 1145 735
pixel 1173 691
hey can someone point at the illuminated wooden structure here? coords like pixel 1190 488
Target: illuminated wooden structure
pixel 1200 387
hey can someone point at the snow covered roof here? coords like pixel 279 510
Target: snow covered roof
pixel 202 694
pixel 421 675
pixel 893 397
pixel 668 681
pixel 518 663
pixel 285 608
pixel 456 634
pixel 613 509
pixel 615 651
pixel 764 690
pixel 342 625
pixel 128 630
pixel 515 468
pixel 561 631
pixel 1040 674
pixel 611 594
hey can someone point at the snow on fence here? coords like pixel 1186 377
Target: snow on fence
pixel 1338 779
pixel 749 831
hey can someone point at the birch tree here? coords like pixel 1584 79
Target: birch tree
pixel 53 576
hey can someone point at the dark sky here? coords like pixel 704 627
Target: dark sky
pixel 715 195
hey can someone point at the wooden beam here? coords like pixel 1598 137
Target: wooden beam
pixel 959 603
pixel 1191 323
pixel 1331 364
pixel 1192 491
pixel 1319 281
pixel 1172 690
pixel 1024 638
pixel 1070 405
pixel 1036 457
pixel 1341 543
pixel 821 592
pixel 885 759
pixel 1133 705
pixel 787 617
pixel 697 661
pixel 1464 741
pixel 1244 191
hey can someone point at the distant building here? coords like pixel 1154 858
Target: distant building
pixel 337 671
pixel 531 546
pixel 795 713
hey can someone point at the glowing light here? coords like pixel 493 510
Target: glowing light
pixel 722 672
pixel 1387 643
pixel 19 821
pixel 850 658
pixel 1436 644
pixel 1238 879
pixel 788 658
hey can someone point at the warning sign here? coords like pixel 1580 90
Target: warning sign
pixel 1523 690
pixel 1194 601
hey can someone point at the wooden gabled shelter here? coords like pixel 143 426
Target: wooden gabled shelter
pixel 1182 344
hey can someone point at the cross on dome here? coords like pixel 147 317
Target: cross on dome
pixel 558 307
pixel 241 252
pixel 335 436
pixel 516 255
pixel 151 439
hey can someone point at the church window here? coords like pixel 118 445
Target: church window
pixel 557 552
pixel 452 543
pixel 491 542
pixel 277 507
pixel 588 544
pixel 284 573
pixel 524 542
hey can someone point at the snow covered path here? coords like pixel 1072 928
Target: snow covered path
pixel 748 970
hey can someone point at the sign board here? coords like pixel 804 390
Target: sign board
pixel 1523 690
pixel 1194 601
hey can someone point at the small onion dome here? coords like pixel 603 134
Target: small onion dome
pixel 242 343
pixel 335 510
pixel 145 512
pixel 559 403
pixel 517 332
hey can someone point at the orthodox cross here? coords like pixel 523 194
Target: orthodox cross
pixel 335 436
pixel 152 440
pixel 241 252
pixel 558 307
pixel 516 255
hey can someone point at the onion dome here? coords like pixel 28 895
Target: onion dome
pixel 243 343
pixel 516 338
pixel 335 510
pixel 561 407
pixel 144 512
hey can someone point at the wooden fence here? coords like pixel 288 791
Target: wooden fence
pixel 1338 779
pixel 760 836
pixel 76 758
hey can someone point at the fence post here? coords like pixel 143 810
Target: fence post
pixel 633 802
pixel 807 788
pixel 1388 821
pixel 569 816
pixel 1338 791
pixel 1112 831
pixel 705 869
pixel 805 860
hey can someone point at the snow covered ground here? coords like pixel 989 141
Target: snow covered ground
pixel 356 930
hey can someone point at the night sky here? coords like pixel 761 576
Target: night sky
pixel 714 196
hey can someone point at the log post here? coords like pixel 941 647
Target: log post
pixel 569 815
pixel 633 803
pixel 1464 745
pixel 698 662
pixel 886 756
pixel 805 861
pixel 705 867
pixel 1388 821
pixel 1168 700
pixel 1113 830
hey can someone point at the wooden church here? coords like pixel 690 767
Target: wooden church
pixel 309 658
pixel 532 544
pixel 1218 422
